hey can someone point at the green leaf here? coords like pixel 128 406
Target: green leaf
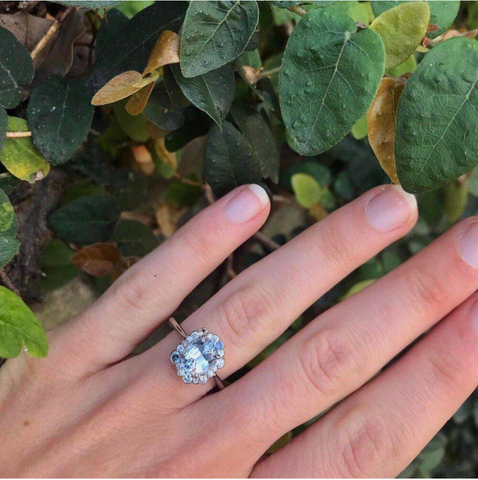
pixel 134 239
pixel 229 160
pixel 108 31
pixel 359 130
pixel 357 11
pixel 257 132
pixel 408 66
pixel 442 13
pixel 329 76
pixel 3 126
pixel 307 190
pixel 86 220
pixel 56 266
pixel 20 156
pixel 133 125
pixel 455 199
pixel 437 119
pixel 8 182
pixel 132 7
pixel 60 116
pixel 287 3
pixel 358 287
pixel 215 33
pixel 8 220
pixel 402 28
pixel 472 182
pixel 134 43
pixel 160 111
pixel 212 93
pixel 16 69
pixel 9 247
pixel 19 328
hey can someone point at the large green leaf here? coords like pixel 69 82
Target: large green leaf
pixel 133 125
pixel 329 76
pixel 212 93
pixel 402 28
pixel 215 33
pixel 134 238
pixel 8 220
pixel 108 32
pixel 229 160
pixel 19 328
pixel 437 119
pixel 160 111
pixel 20 156
pixel 3 126
pixel 357 11
pixel 258 134
pixel 442 13
pixel 16 69
pixel 134 43
pixel 60 115
pixel 86 220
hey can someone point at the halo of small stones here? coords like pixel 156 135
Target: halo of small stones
pixel 184 366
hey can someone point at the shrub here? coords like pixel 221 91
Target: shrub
pixel 120 120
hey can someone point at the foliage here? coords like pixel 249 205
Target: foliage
pixel 131 116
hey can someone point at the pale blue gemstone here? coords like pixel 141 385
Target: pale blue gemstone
pixel 201 355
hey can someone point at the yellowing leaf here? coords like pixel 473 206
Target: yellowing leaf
pixel 138 100
pixel 381 124
pixel 402 28
pixel 359 130
pixel 357 287
pixel 97 260
pixel 165 52
pixel 20 156
pixel 408 66
pixel 307 190
pixel 168 217
pixel 119 87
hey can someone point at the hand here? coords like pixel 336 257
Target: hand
pixel 88 410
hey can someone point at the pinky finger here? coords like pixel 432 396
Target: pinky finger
pixel 380 429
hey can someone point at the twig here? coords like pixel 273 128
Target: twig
pixel 8 282
pixel 188 181
pixel 50 33
pixel 265 240
pixel 298 10
pixel 18 134
pixel 268 73
pixel 209 195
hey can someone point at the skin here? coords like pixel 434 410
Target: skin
pixel 90 410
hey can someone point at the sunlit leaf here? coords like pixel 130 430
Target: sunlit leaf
pixel 119 87
pixel 402 28
pixel 381 124
pixel 165 52
pixel 20 156
pixel 20 328
pixel 359 130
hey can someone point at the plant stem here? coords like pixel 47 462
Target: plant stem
pixel 265 240
pixel 268 73
pixel 8 282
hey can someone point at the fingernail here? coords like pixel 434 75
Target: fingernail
pixel 474 316
pixel 247 204
pixel 468 243
pixel 391 208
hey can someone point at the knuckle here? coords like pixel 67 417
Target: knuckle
pixel 246 313
pixel 445 371
pixel 366 446
pixel 132 293
pixel 327 360
pixel 425 287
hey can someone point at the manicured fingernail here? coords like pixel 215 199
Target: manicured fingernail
pixel 247 204
pixel 468 243
pixel 391 208
pixel 474 316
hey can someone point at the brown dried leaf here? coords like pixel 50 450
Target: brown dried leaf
pixel 168 217
pixel 123 265
pixel 119 87
pixel 138 100
pixel 97 260
pixel 252 75
pixel 165 52
pixel 381 124
pixel 28 29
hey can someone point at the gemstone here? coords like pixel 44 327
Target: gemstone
pixel 198 356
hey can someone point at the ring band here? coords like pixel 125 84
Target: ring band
pixel 198 357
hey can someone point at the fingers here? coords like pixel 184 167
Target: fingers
pixel 257 306
pixel 350 343
pixel 380 429
pixel 152 289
